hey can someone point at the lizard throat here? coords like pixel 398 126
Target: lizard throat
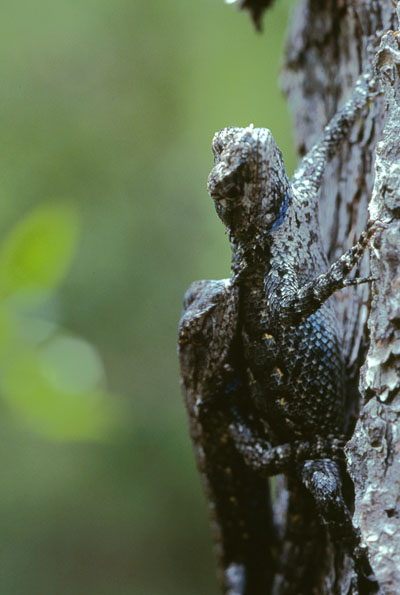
pixel 281 215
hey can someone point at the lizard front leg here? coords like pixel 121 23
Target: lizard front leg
pixel 288 303
pixel 309 174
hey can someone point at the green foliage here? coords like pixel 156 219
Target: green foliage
pixel 37 253
pixel 50 379
pixel 113 104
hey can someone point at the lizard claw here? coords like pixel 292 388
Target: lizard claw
pixel 359 281
pixel 373 226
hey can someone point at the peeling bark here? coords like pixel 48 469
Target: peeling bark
pixel 373 453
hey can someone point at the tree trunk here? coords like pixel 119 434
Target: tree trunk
pixel 330 43
pixel 373 452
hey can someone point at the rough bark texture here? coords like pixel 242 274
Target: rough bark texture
pixel 373 453
pixel 329 44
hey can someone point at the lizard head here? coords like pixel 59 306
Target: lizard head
pixel 248 182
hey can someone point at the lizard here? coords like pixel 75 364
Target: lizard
pixel 262 370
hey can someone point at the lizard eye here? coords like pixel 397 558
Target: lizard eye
pixel 217 147
pixel 222 139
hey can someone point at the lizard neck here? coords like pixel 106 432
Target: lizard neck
pixel 252 257
pixel 250 261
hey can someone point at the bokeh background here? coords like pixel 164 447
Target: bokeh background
pixel 107 112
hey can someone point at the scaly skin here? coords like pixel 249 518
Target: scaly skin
pixel 261 360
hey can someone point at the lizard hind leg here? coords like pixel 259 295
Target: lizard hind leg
pixel 322 478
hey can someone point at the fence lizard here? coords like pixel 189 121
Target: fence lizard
pixel 260 355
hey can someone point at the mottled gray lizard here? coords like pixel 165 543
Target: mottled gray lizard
pixel 262 367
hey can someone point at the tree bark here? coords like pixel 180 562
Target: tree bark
pixel 373 452
pixel 330 43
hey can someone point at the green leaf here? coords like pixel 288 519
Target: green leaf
pixel 38 251
pixel 55 411
pixel 70 364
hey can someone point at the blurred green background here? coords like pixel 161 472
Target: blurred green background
pixel 108 108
